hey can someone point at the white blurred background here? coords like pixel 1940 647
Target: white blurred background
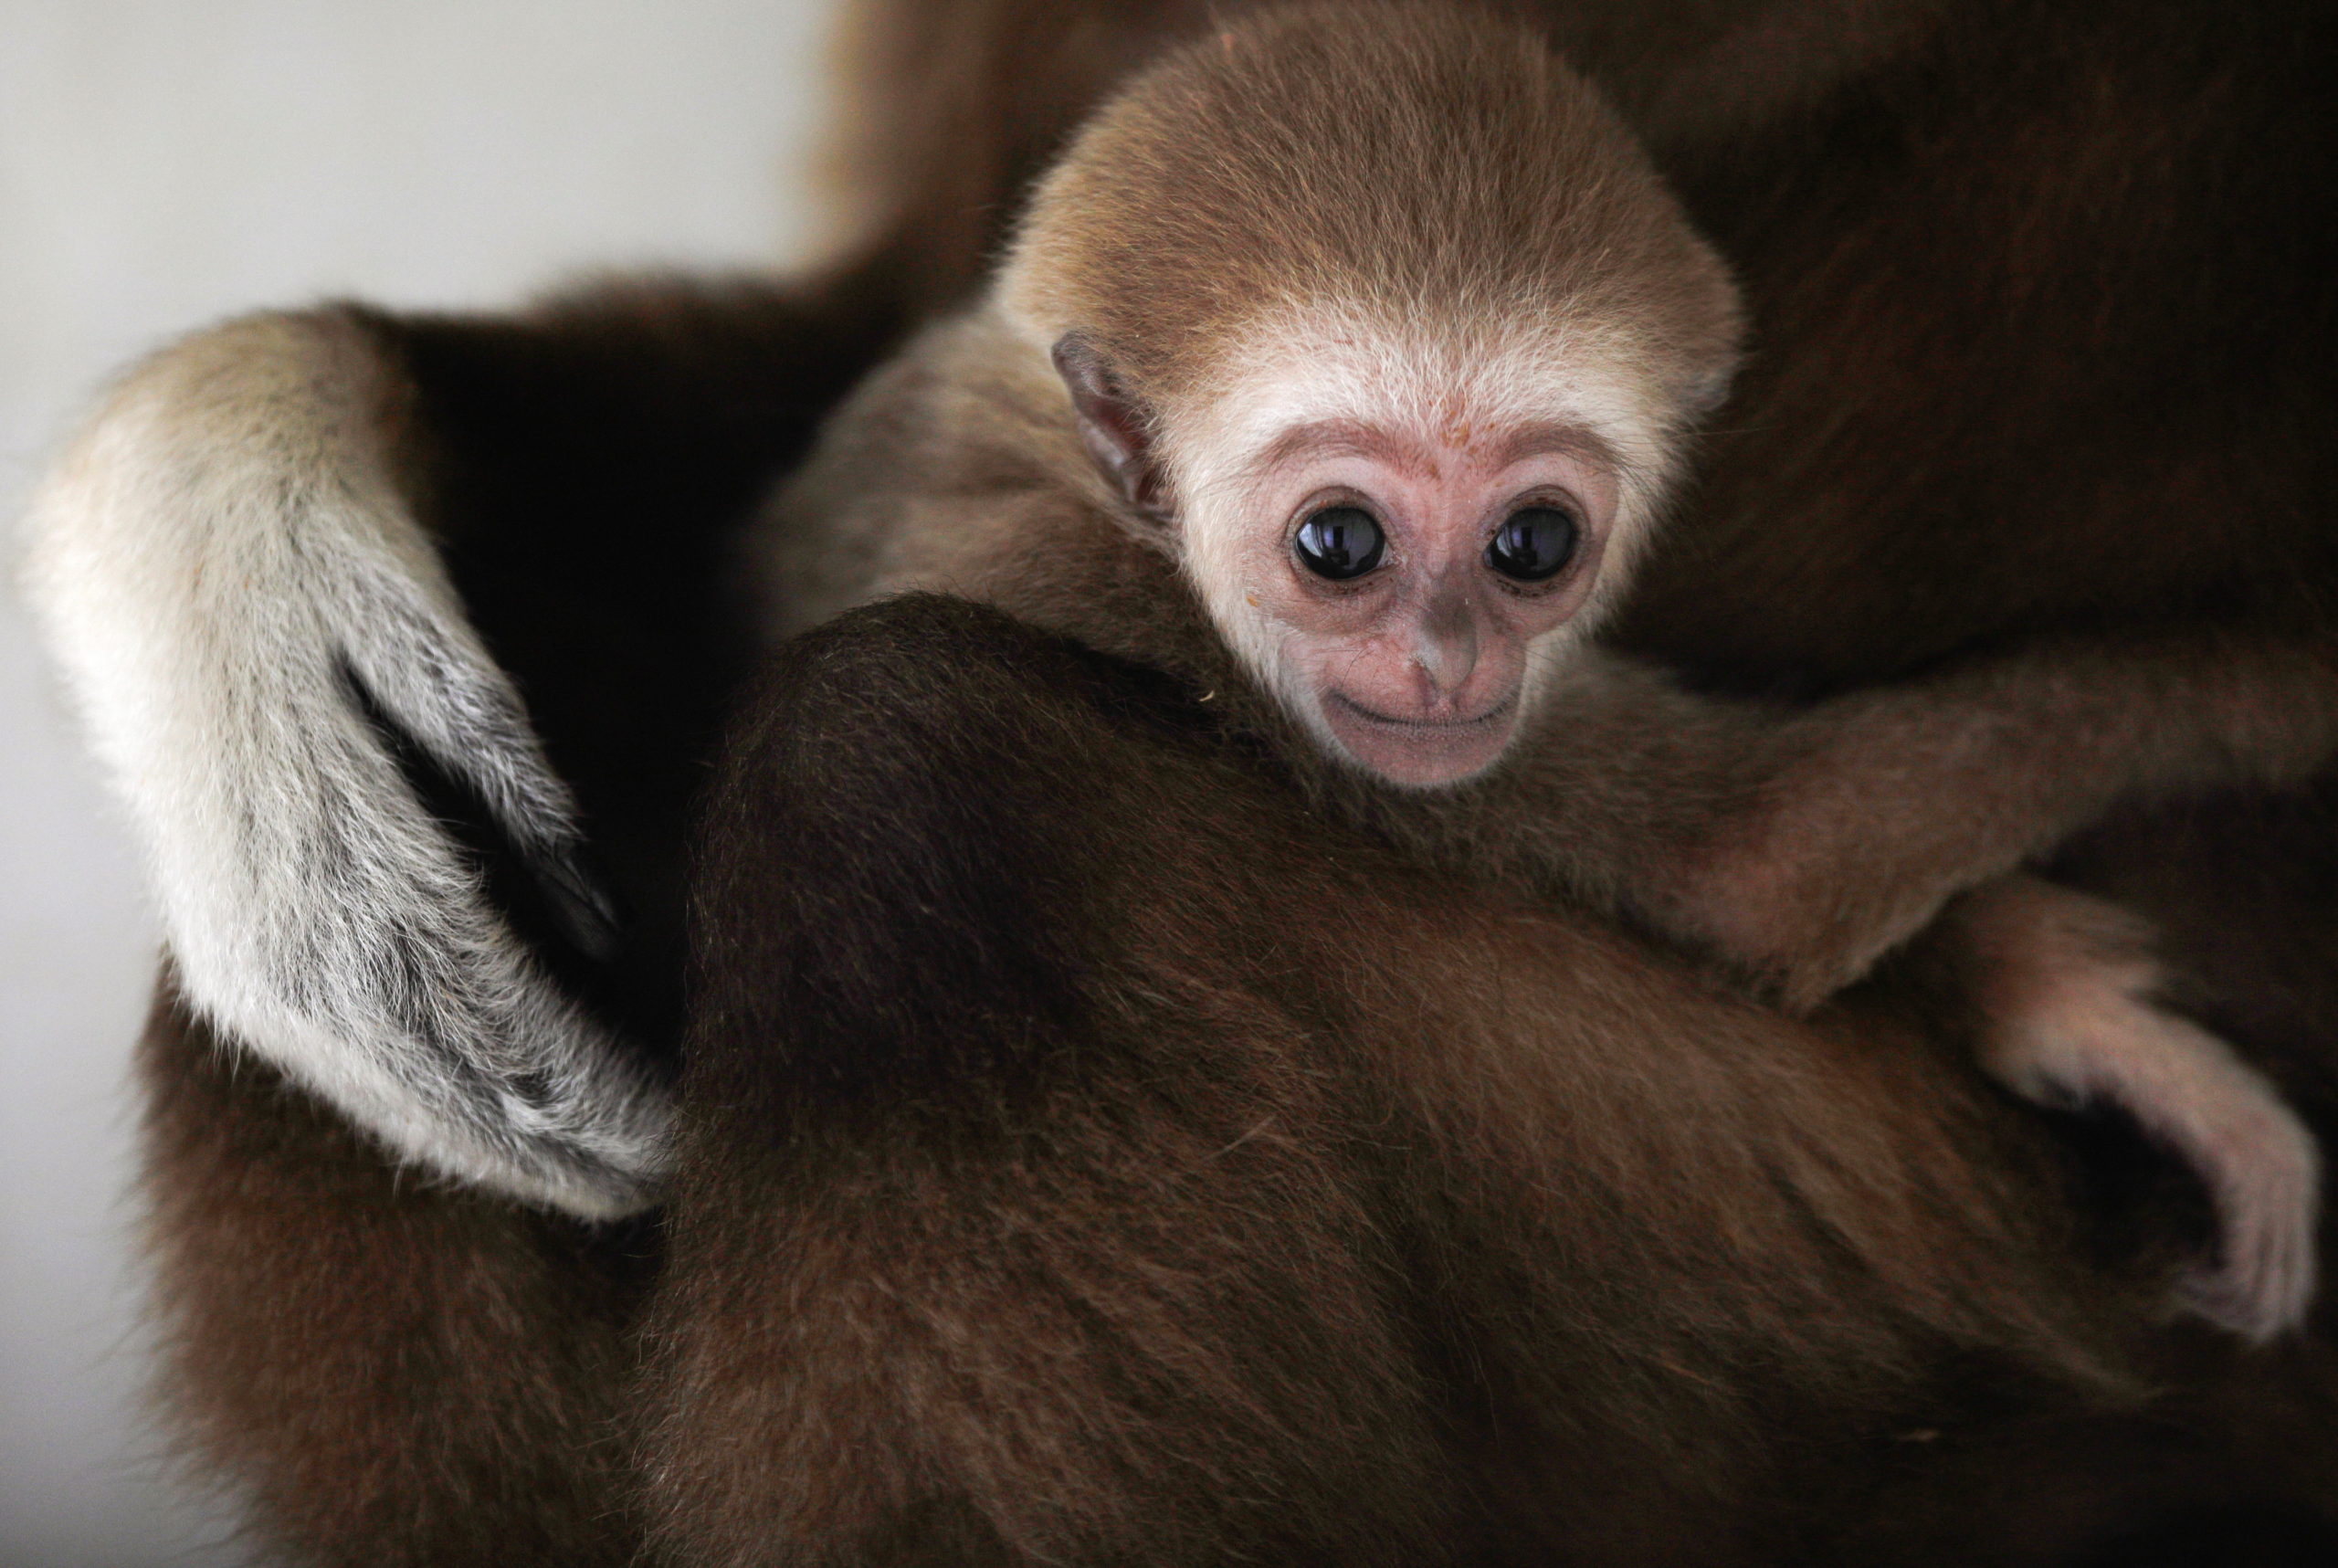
pixel 164 164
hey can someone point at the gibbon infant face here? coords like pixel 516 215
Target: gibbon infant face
pixel 1401 572
pixel 1391 335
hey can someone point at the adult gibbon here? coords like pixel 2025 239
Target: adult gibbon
pixel 1065 1217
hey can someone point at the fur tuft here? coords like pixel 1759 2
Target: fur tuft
pixel 249 618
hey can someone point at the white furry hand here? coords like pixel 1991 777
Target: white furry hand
pixel 229 578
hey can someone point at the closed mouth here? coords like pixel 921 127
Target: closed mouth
pixel 1498 713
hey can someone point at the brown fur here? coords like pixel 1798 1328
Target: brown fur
pixel 1092 1158
pixel 1244 175
pixel 385 1370
pixel 1479 176
pixel 2162 317
pixel 955 107
pixel 2102 212
pixel 379 1370
pixel 1439 168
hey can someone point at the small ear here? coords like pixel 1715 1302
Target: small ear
pixel 1112 423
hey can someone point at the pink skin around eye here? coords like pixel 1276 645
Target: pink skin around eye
pixel 1418 670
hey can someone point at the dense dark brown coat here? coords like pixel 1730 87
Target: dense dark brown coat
pixel 2045 342
pixel 1094 1157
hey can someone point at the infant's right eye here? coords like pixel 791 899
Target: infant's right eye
pixel 1340 542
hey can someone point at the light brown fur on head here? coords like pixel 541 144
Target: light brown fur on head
pixel 1481 182
pixel 1403 268
pixel 1378 1220
pixel 1424 236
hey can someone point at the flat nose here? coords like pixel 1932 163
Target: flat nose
pixel 1445 644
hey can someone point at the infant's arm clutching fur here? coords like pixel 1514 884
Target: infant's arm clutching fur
pixel 1800 848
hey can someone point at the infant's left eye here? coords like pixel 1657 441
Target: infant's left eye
pixel 1533 543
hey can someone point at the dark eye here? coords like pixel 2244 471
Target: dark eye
pixel 1533 543
pixel 1340 542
